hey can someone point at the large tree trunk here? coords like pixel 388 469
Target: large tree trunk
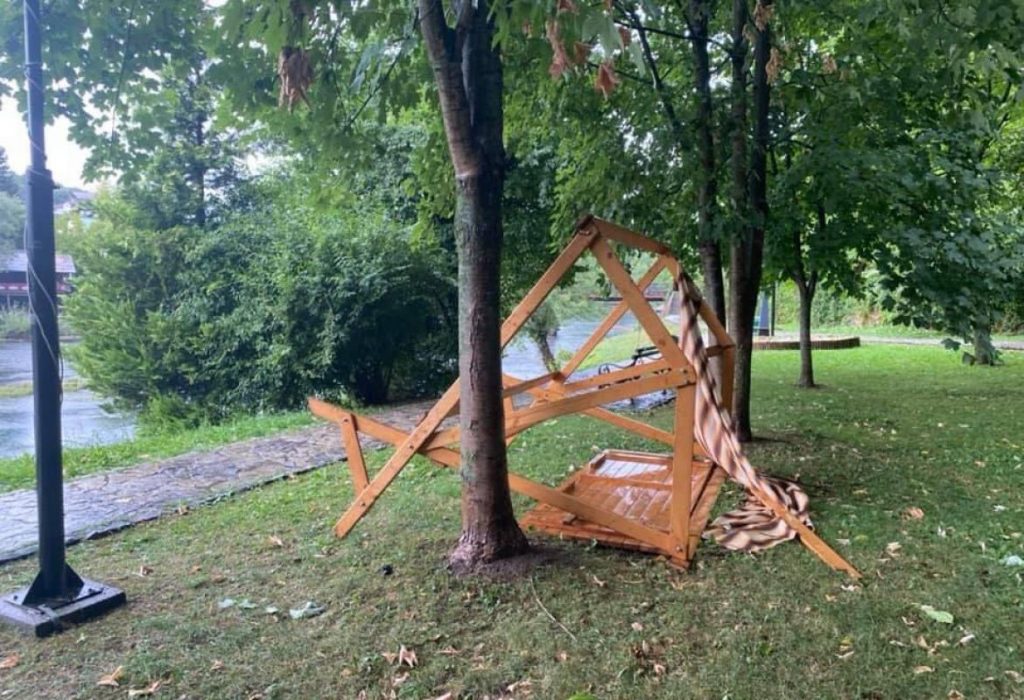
pixel 748 247
pixel 707 192
pixel 467 69
pixel 806 289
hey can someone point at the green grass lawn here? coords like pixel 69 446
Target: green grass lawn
pixel 19 472
pixel 893 428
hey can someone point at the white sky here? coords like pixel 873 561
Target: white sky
pixel 64 158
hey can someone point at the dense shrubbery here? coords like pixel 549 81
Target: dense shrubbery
pixel 260 312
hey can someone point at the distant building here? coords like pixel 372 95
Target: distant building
pixel 14 277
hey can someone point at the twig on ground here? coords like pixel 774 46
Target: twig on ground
pixel 548 612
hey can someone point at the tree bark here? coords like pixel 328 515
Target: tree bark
pixel 806 289
pixel 707 192
pixel 468 72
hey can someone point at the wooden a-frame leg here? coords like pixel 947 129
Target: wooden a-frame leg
pixel 353 453
pixel 682 468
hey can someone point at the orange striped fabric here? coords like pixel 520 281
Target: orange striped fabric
pixel 751 527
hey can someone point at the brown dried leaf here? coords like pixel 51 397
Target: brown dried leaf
pixel 580 53
pixel 606 80
pixel 598 582
pixel 407 657
pixel 389 656
pixel 567 6
pixel 562 657
pixel 763 15
pixel 913 513
pixel 626 36
pixel 519 685
pixel 144 692
pixel 637 626
pixel 955 695
pixel 276 541
pixel 216 665
pixel 111 679
pixel 918 670
pixel 559 59
pixel 145 571
pixel 10 661
pixel 774 65
pixel 1014 676
pixel 449 651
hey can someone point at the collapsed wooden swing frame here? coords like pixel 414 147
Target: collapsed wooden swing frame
pixel 650 502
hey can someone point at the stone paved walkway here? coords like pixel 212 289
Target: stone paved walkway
pixel 105 502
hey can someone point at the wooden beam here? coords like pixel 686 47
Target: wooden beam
pixel 354 454
pixel 682 467
pixel 630 238
pixel 648 318
pixel 523 419
pixel 587 511
pixel 609 321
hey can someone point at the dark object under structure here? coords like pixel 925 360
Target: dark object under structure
pixel 57 595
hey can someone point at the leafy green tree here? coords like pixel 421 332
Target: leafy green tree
pixel 12 224
pixel 8 181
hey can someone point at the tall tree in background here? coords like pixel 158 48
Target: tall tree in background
pixel 468 73
pixel 750 198
pixel 8 181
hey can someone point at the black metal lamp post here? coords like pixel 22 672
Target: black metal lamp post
pixel 58 594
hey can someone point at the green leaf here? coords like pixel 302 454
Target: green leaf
pixel 942 616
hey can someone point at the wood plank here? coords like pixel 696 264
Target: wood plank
pixel 573 505
pixel 648 318
pixel 403 453
pixel 630 238
pixel 354 454
pixel 682 465
pixel 527 417
pixel 617 375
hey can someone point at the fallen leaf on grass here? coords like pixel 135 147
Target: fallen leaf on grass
pixel 276 541
pixel 942 616
pixel 144 692
pixel 9 662
pixel 598 582
pixel 892 548
pixel 309 609
pixel 399 679
pixel 913 513
pixel 844 657
pixel 519 685
pixel 955 695
pixel 966 639
pixel 226 603
pixel 1014 676
pixel 918 670
pixel 145 571
pixel 562 657
pixel 407 657
pixel 449 651
pixel 217 665
pixel 111 679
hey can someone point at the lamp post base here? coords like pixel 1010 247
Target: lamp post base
pixel 44 619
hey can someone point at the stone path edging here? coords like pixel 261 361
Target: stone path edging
pixel 102 503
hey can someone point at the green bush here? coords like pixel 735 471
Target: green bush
pixel 14 323
pixel 272 306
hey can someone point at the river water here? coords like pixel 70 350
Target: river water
pixel 86 423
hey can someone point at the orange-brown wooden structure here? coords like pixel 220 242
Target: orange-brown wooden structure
pixel 645 501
